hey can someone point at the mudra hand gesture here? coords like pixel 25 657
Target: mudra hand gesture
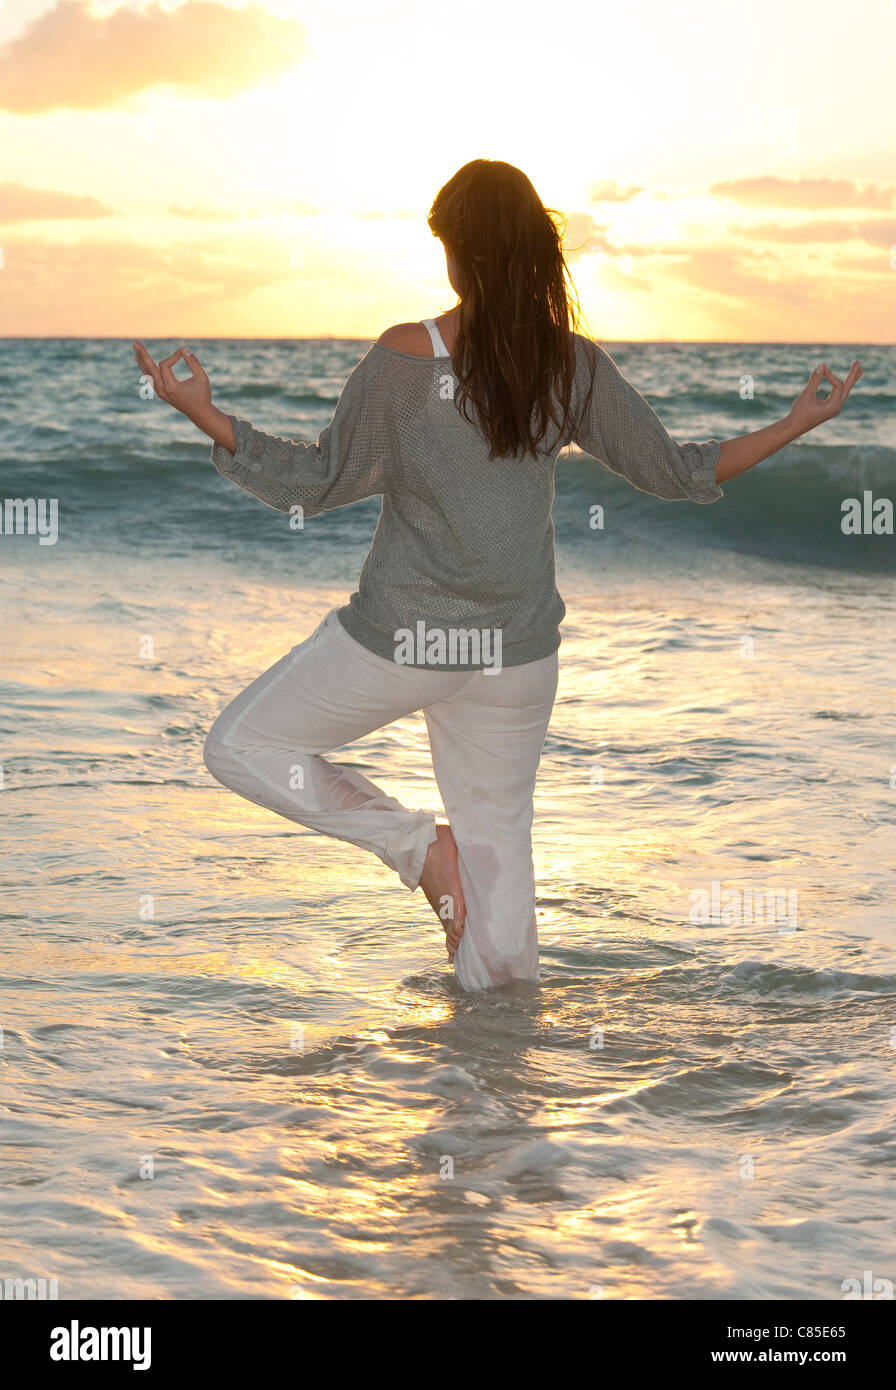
pixel 192 397
pixel 809 409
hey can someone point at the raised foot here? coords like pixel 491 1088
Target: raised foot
pixel 440 882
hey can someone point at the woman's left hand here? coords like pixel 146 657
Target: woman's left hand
pixel 191 397
pixel 809 409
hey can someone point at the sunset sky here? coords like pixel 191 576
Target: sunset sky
pixel 202 168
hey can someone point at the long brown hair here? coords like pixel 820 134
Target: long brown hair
pixel 514 355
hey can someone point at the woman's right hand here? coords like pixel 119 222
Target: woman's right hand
pixel 192 397
pixel 809 409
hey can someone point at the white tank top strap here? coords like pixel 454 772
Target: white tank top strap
pixel 438 343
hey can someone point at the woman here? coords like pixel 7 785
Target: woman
pixel 457 422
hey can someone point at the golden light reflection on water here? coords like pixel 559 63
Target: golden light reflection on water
pixel 298 1283
pixel 312 1171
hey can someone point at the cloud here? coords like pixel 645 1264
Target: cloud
pixel 611 193
pixel 298 210
pixel 71 57
pixel 200 214
pixel 585 237
pixel 18 203
pixel 377 215
pixel 120 287
pixel 335 209
pixel 868 264
pixel 876 231
pixel 724 271
pixel 769 191
pixel 757 296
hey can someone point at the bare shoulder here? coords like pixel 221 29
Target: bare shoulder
pixel 407 337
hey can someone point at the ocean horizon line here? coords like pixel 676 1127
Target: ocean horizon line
pixel 355 338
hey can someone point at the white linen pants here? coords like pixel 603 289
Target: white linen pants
pixel 486 733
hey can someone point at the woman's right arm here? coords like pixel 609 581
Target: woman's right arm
pixel 351 459
pixel 193 397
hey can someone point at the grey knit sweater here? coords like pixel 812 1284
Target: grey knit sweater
pixel 462 543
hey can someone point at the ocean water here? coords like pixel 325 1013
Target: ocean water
pixel 235 1063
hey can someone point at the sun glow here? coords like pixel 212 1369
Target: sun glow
pixel 278 183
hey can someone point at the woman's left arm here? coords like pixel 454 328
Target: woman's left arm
pixel 619 427
pixel 808 410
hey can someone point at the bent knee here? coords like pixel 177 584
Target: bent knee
pixel 219 757
pixel 225 742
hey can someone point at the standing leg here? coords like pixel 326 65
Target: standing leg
pixel 486 742
pixel 326 692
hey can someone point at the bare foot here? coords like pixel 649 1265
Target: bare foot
pixel 440 882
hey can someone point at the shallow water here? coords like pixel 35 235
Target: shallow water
pixel 682 1108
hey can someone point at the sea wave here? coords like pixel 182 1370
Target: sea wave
pixel 789 510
